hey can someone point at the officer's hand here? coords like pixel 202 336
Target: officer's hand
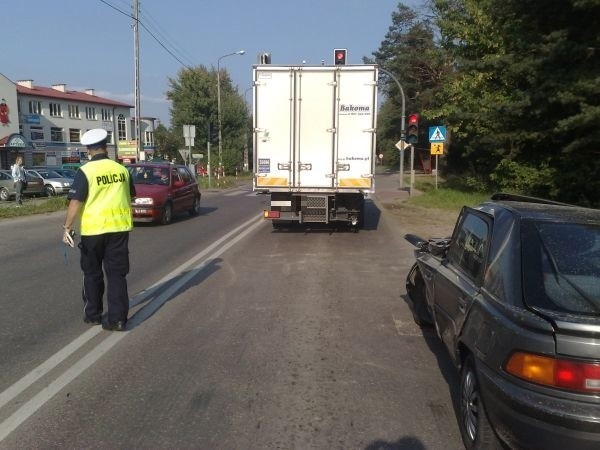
pixel 68 236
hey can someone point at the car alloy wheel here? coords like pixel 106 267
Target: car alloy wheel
pixel 4 195
pixel 49 190
pixel 476 430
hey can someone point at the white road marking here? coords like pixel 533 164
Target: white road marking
pixel 24 412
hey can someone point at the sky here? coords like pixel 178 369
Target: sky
pixel 90 43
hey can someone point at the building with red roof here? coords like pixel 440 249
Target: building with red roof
pixel 45 124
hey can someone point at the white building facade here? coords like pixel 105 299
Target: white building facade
pixel 45 124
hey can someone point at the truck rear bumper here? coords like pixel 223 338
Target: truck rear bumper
pixel 316 208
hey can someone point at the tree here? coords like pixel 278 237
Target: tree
pixel 167 143
pixel 194 102
pixel 523 101
pixel 410 53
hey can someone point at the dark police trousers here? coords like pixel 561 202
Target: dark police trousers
pixel 111 251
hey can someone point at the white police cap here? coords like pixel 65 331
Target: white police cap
pixel 94 138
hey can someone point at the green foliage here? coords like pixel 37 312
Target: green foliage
pixel 523 101
pixel 194 102
pixel 410 53
pixel 516 83
pixel 511 176
pixel 167 143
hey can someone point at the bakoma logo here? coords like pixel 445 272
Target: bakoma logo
pixel 355 108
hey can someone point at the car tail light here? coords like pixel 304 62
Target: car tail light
pixel 558 373
pixel 271 214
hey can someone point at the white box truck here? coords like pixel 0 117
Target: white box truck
pixel 314 141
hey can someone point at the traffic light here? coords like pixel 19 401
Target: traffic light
pixel 212 133
pixel 339 56
pixel 412 132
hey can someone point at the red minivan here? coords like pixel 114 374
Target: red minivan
pixel 162 191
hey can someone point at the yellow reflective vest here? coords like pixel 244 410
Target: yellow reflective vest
pixel 107 208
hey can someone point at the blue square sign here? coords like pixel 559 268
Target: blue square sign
pixel 437 134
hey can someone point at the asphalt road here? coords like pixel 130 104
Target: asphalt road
pixel 241 337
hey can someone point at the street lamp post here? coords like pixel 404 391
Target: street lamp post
pixel 403 136
pixel 239 52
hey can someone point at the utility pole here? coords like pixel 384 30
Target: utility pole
pixel 136 51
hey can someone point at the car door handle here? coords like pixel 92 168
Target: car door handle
pixel 462 304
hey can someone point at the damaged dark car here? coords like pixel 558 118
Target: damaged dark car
pixel 514 294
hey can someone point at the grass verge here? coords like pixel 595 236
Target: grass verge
pixel 33 206
pixel 446 197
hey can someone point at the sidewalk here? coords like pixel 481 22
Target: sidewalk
pixel 387 187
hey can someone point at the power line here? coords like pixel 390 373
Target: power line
pixel 147 30
pixel 152 23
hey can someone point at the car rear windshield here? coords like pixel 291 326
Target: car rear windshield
pixel 149 175
pixel 561 266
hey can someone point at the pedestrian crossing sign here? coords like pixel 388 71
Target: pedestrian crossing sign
pixel 437 134
pixel 437 148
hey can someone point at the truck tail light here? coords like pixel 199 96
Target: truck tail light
pixel 553 372
pixel 271 214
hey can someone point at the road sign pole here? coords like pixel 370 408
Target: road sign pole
pixel 436 170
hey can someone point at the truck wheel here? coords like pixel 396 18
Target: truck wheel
pixel 415 288
pixel 475 428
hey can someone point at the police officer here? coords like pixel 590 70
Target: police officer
pixel 101 195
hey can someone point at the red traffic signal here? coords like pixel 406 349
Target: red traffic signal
pixel 339 56
pixel 412 132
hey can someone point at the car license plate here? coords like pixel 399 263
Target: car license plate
pixel 139 211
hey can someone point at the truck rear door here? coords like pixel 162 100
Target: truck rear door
pixel 273 126
pixel 355 127
pixel 315 123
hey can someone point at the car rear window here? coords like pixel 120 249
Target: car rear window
pixel 149 175
pixel 561 264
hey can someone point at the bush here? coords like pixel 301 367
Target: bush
pixel 523 179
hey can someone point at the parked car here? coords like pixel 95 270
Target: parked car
pixel 162 191
pixel 54 183
pixel 66 173
pixel 514 295
pixel 35 185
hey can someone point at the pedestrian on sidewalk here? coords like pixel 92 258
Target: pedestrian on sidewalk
pixel 19 178
pixel 101 196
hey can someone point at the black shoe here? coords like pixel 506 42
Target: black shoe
pixel 91 321
pixel 114 326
